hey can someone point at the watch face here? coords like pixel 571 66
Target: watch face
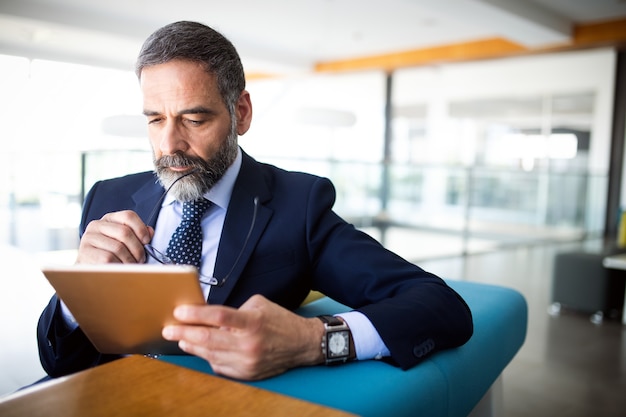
pixel 338 344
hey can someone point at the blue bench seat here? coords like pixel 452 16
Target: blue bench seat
pixel 449 383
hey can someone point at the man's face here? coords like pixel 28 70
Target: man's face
pixel 189 126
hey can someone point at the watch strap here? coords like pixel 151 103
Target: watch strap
pixel 331 320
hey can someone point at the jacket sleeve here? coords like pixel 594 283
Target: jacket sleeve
pixel 415 312
pixel 63 351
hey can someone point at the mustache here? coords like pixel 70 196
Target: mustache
pixel 180 160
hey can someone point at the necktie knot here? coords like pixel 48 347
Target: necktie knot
pixel 194 210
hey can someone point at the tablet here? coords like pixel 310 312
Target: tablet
pixel 122 308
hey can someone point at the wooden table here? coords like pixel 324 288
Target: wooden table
pixel 139 386
pixel 617 262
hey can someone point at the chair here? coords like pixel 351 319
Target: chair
pixel 581 283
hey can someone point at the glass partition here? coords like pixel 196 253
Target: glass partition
pixel 501 153
pixel 483 154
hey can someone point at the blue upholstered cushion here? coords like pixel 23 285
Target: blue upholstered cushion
pixel 449 383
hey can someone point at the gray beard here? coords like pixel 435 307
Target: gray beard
pixel 207 173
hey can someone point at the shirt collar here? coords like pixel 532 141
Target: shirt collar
pixel 220 193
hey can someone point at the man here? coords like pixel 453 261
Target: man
pixel 269 237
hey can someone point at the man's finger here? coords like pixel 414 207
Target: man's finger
pixel 213 315
pixel 132 221
pixel 115 238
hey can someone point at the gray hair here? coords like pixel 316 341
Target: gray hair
pixel 192 41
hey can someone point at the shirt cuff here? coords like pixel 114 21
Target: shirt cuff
pixel 367 341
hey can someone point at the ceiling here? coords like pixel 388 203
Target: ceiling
pixel 282 36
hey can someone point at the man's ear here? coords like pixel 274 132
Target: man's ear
pixel 243 112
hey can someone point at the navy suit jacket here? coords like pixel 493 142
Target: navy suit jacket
pixel 298 243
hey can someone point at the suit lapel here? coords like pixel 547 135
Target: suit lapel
pixel 249 185
pixel 145 199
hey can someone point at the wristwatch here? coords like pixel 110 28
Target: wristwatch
pixel 337 345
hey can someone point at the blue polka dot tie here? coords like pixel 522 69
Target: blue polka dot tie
pixel 185 246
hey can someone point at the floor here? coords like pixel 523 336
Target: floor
pixel 567 366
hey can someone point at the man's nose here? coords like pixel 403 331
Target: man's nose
pixel 172 139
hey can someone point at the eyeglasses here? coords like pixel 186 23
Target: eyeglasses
pixel 166 260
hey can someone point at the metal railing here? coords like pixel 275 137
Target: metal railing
pixel 463 209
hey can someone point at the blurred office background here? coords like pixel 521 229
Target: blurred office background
pixel 475 138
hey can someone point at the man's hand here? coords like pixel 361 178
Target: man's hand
pixel 256 341
pixel 115 238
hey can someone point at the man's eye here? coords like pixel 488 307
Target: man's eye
pixel 194 122
pixel 154 120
